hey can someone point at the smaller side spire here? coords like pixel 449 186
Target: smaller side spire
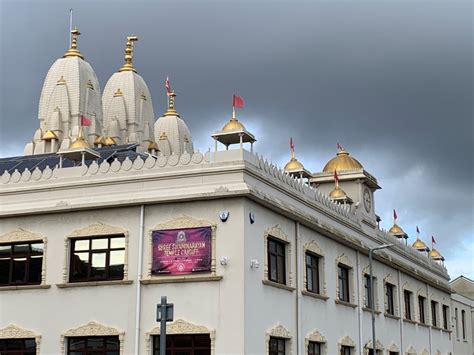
pixel 128 66
pixel 73 51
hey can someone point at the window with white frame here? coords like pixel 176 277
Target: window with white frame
pixel 277 258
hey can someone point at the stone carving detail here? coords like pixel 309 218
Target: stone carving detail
pixel 98 228
pixel 344 259
pixel 278 331
pixel 411 350
pixel 313 247
pixel 184 221
pixel 181 326
pixel 12 331
pixel 20 235
pixel 315 336
pixel 378 345
pixel 93 329
pixel 347 341
pixel 393 347
pixel 425 352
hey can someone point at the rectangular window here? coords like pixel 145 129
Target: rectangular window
pixel 314 348
pixel 343 278
pixel 434 313
pixel 312 273
pixel 18 346
pixel 457 322
pixel 109 345
pixel 463 324
pixel 97 259
pixel 277 346
pixel 345 350
pixel 276 261
pixel 389 288
pixel 445 316
pixel 21 263
pixel 407 300
pixel 186 344
pixel 421 308
pixel 368 291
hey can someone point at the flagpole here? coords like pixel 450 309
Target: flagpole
pixel 70 28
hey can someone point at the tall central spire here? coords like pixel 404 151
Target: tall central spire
pixel 128 66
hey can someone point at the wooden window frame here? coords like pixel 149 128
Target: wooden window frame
pixel 407 302
pixel 86 351
pixel 434 313
pixel 422 309
pixel 344 281
pixel 312 344
pixel 280 259
pixel 314 269
pixel 368 291
pixel 28 256
pixel 445 310
pixel 277 351
pixel 390 309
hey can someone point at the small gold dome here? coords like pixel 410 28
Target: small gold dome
pixel 99 140
pixel 396 230
pixel 152 146
pixel 434 254
pixel 418 244
pixel 337 193
pixel 342 162
pixel 233 125
pixel 110 141
pixel 293 165
pixel 49 135
pixel 79 143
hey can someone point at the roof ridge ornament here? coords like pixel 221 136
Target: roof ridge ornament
pixel 171 110
pixel 73 51
pixel 128 66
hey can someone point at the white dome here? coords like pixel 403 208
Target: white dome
pixel 71 89
pixel 173 136
pixel 127 99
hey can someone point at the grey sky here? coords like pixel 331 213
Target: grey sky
pixel 390 80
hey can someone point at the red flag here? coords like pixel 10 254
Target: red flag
pixel 339 147
pixel 336 178
pixel 292 146
pixel 167 86
pixel 85 121
pixel 417 230
pixel 394 215
pixel 237 101
pixel 433 241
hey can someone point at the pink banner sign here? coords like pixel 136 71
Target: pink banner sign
pixel 181 251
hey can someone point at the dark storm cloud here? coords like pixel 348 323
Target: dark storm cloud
pixel 390 80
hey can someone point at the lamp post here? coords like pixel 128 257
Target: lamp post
pixel 372 294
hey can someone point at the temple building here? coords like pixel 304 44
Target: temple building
pixel 110 208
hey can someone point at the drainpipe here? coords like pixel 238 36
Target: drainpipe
pixel 400 308
pixel 298 294
pixel 359 301
pixel 428 307
pixel 139 277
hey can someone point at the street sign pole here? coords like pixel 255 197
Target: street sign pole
pixel 164 313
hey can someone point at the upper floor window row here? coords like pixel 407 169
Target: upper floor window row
pixel 21 263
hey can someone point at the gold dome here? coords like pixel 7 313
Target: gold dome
pixel 293 165
pixel 434 254
pixel 418 244
pixel 396 230
pixel 337 193
pixel 49 135
pixel 233 125
pixel 110 141
pixel 99 140
pixel 342 162
pixel 152 146
pixel 79 143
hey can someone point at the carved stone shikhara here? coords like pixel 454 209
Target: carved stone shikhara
pixel 92 329
pixel 12 331
pixel 183 221
pixel 278 331
pixel 181 326
pixel 93 230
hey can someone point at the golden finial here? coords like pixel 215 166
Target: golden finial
pixel 118 93
pixel 80 142
pixel 73 51
pixel 128 66
pixel 171 111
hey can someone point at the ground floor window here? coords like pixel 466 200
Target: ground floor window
pixel 93 345
pixel 314 348
pixel 277 346
pixel 184 344
pixel 346 350
pixel 18 346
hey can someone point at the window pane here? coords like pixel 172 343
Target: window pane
pixel 37 248
pixel 4 271
pixel 36 263
pixel 95 343
pixel 80 265
pixel 100 243
pixel 117 260
pixel 98 265
pixel 77 343
pixel 5 250
pixel 19 267
pixel 112 343
pixel 81 245
pixel 21 249
pixel 117 242
pixel 14 344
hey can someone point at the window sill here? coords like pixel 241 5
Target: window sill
pixel 344 303
pixel 370 310
pixel 178 279
pixel 424 325
pixel 388 315
pixel 277 285
pixel 94 283
pixel 314 295
pixel 23 287
pixel 409 321
pixel 436 327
